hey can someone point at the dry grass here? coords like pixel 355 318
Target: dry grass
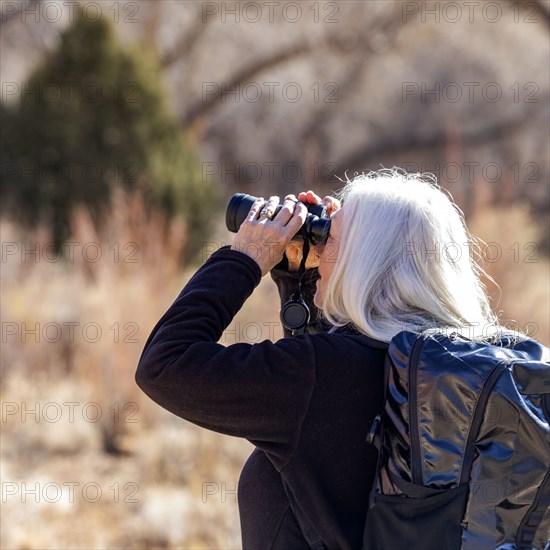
pixel 160 462
pixel 522 273
pixel 71 378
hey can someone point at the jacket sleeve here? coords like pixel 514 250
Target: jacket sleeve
pixel 257 391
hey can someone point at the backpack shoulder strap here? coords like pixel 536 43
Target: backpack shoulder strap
pixel 410 338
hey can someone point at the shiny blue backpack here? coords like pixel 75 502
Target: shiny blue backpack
pixel 464 445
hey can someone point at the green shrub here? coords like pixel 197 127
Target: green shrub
pixel 94 116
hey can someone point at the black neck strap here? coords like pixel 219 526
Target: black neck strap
pixel 301 273
pixel 295 312
pixel 305 253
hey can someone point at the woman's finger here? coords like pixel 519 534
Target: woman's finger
pixel 296 221
pixel 328 200
pixel 285 214
pixel 332 204
pixel 309 197
pixel 270 207
pixel 293 254
pixel 254 209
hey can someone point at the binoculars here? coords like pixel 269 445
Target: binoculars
pixel 316 227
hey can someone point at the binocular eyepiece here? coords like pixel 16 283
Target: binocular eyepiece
pixel 316 226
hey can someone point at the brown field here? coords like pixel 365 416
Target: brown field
pixel 118 471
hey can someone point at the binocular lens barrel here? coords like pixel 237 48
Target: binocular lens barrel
pixel 316 226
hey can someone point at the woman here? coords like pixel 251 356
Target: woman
pixel 397 257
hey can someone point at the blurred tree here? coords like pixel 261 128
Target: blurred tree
pixel 92 117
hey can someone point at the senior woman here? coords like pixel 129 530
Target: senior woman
pixel 306 402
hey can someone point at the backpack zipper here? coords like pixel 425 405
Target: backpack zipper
pixel 416 464
pixel 478 418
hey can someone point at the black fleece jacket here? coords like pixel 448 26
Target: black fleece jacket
pixel 305 402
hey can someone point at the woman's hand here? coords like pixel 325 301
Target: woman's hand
pixel 264 239
pixel 293 250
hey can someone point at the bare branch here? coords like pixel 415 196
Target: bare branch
pixel 245 75
pixel 388 25
pixel 185 44
pixel 357 160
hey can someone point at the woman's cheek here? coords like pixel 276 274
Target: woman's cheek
pixel 318 293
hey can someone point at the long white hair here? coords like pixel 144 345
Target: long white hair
pixel 405 260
